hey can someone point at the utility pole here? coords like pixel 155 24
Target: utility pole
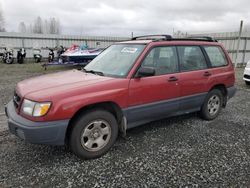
pixel 238 44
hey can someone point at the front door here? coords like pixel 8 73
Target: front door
pixel 155 96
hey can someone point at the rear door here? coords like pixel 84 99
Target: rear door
pixel 195 77
pixel 154 97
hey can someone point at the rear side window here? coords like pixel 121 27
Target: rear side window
pixel 216 56
pixel 191 58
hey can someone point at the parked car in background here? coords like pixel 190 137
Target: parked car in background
pixel 246 75
pixel 128 84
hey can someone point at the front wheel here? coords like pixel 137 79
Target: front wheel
pixel 212 105
pixel 247 83
pixel 9 60
pixel 93 134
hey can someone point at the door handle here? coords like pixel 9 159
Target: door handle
pixel 172 79
pixel 207 73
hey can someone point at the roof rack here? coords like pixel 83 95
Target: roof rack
pixel 170 38
pixel 197 38
pixel 153 37
pixel 208 38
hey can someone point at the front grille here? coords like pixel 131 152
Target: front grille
pixel 16 100
pixel 247 76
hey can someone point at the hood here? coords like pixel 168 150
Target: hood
pixel 51 84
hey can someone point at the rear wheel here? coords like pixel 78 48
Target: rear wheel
pixel 21 60
pixel 93 134
pixel 247 83
pixel 37 60
pixel 212 105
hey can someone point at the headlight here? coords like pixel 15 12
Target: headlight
pixel 28 107
pixel 34 108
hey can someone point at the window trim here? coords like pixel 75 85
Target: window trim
pixel 204 55
pixel 222 51
pixel 149 50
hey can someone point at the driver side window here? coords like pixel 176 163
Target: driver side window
pixel 162 59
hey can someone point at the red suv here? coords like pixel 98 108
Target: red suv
pixel 129 84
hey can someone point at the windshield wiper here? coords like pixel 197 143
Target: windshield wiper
pixel 93 72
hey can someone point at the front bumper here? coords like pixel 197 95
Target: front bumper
pixel 246 75
pixel 51 133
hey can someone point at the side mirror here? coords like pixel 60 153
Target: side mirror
pixel 145 71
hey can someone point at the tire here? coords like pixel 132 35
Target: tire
pixel 20 61
pixel 93 134
pixel 247 83
pixel 212 105
pixel 37 60
pixel 9 61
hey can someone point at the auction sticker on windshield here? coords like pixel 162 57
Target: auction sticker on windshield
pixel 129 50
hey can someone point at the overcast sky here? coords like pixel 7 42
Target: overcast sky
pixel 121 17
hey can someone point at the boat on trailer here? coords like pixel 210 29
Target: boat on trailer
pixel 75 55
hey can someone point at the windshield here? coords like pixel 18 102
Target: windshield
pixel 116 60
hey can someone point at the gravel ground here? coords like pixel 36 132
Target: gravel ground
pixel 180 151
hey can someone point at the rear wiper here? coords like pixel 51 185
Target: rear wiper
pixel 93 72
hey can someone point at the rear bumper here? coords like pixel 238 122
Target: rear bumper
pixel 231 92
pixel 51 133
